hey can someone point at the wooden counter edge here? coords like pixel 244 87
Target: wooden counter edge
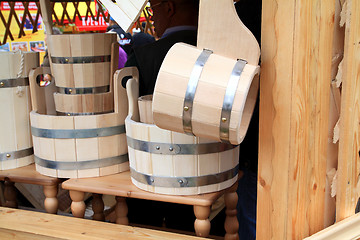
pixel 49 226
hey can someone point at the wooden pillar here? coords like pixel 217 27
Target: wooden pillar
pixel 349 142
pixel 294 112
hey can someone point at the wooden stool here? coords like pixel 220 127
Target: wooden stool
pixel 29 175
pixel 120 185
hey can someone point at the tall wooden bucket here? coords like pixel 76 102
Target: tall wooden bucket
pixel 83 66
pixel 78 146
pixel 15 138
pixel 167 162
pixel 202 93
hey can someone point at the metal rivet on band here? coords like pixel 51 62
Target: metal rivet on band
pixel 171 149
pixel 181 181
pixel 191 89
pixel 223 119
pixel 8 155
pixel 2 83
pixel 66 60
pixel 157 147
pixel 14 82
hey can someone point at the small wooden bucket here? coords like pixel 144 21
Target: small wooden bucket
pixel 83 66
pixel 15 138
pixel 167 162
pixel 204 94
pixel 78 146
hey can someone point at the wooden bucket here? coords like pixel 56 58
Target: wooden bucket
pixel 15 138
pixel 83 66
pixel 167 162
pixel 77 146
pixel 202 93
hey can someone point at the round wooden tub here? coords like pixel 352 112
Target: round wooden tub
pixel 167 162
pixel 15 139
pixel 78 146
pixel 82 62
pixel 201 93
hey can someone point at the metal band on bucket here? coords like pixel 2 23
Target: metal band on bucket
pixel 180 182
pixel 178 149
pixel 16 154
pixel 229 99
pixel 191 89
pixel 89 90
pixel 14 82
pixel 81 165
pixel 77 133
pixel 75 60
pixel 80 114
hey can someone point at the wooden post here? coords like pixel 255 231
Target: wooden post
pixel 294 112
pixel 349 141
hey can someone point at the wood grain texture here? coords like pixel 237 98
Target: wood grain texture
pixel 349 141
pixel 294 111
pixel 21 224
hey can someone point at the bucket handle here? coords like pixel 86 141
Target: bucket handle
pixel 130 95
pixel 114 62
pixel 42 99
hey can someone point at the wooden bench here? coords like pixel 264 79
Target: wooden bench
pixel 22 224
pixel 29 175
pixel 120 185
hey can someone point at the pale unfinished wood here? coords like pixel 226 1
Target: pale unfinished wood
pixel 347 229
pixel 15 106
pixel 145 109
pixel 23 224
pixel 125 13
pixel 82 45
pixel 81 149
pixel 168 165
pixel 172 83
pixel 349 141
pixel 294 112
pixel 236 42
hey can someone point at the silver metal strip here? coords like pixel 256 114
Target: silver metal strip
pixel 89 90
pixel 80 114
pixel 16 154
pixel 75 60
pixel 14 82
pixel 178 149
pixel 181 182
pixel 77 133
pixel 229 99
pixel 81 165
pixel 191 89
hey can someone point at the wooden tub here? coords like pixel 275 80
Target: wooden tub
pixel 202 93
pixel 15 138
pixel 167 162
pixel 78 146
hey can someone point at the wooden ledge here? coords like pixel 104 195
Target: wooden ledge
pixel 28 174
pixel 22 224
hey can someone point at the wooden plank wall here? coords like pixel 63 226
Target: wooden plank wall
pixel 348 186
pixel 294 114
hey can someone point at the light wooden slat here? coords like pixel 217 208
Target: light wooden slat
pixel 21 224
pixel 349 141
pixel 294 110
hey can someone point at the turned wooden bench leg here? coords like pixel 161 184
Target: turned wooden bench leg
pixel 10 194
pixel 77 204
pixel 121 211
pixel 51 202
pixel 202 223
pixel 231 221
pixel 98 207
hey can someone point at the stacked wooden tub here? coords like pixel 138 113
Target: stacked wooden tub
pixel 78 132
pixel 167 162
pixel 15 140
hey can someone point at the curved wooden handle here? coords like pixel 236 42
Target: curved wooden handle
pixel 42 100
pixel 221 31
pixel 128 96
pixel 114 62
